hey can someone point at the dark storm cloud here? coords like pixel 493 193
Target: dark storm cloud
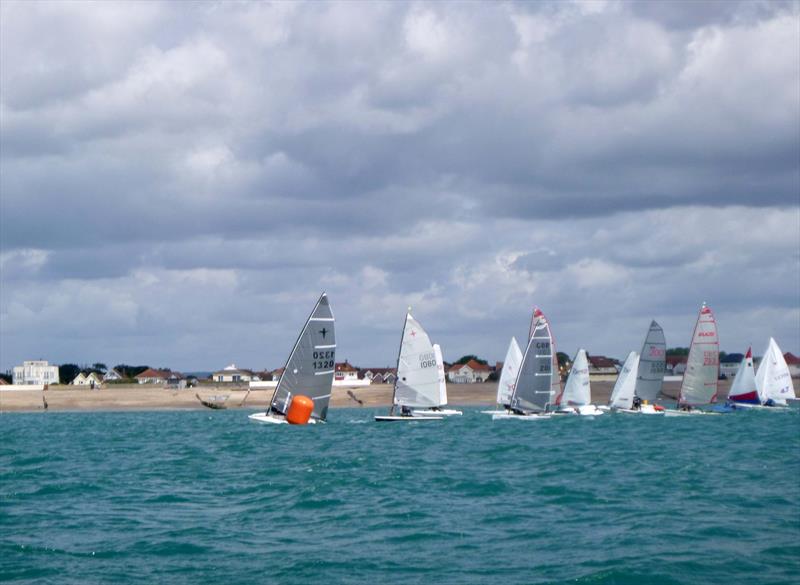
pixel 181 177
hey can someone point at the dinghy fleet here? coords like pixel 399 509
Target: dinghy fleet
pixel 530 386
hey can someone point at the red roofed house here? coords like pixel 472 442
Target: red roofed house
pixel 469 373
pixel 601 366
pixel 151 376
pixel 794 364
pixel 344 372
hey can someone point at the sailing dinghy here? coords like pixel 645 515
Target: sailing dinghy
pixel 419 381
pixel 623 394
pixel 699 385
pixel 773 380
pixel 438 410
pixel 577 395
pixel 744 392
pixel 508 377
pixel 650 372
pixel 309 369
pixel 533 392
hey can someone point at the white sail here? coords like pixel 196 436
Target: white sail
pixel 309 369
pixel 699 384
pixel 744 387
pixel 417 383
pixel 773 380
pixel 652 362
pixel 625 387
pixel 533 390
pixel 577 391
pixel 437 351
pixel 508 377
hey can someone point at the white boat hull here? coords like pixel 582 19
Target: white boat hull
pixel 514 416
pixel 393 418
pixel 758 406
pixel 494 412
pixel 645 409
pixel 273 419
pixel 433 412
pixel 689 413
pixel 585 410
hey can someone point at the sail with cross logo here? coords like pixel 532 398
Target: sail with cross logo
pixel 310 367
pixel 417 383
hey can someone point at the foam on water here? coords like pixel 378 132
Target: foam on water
pixel 198 497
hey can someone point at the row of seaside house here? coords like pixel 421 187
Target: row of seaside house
pixel 40 372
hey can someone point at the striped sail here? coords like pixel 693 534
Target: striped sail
pixel 744 387
pixel 309 369
pixel 508 376
pixel 702 367
pixel 417 383
pixel 773 379
pixel 625 387
pixel 577 390
pixel 533 389
pixel 652 362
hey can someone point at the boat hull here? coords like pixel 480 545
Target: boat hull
pixel 273 419
pixel 441 412
pixel 690 413
pixel 514 416
pixel 392 418
pixel 645 409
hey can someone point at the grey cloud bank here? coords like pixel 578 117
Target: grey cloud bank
pixel 179 181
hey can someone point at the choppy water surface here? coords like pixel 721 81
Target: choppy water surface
pixel 208 497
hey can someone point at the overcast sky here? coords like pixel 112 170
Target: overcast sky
pixel 180 181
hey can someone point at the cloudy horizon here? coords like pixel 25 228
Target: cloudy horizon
pixel 180 181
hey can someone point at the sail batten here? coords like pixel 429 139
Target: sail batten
pixel 699 385
pixel 310 367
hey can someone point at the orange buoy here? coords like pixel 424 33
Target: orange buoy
pixel 300 410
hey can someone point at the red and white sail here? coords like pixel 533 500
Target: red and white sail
pixel 699 384
pixel 744 387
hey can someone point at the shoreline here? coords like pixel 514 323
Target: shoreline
pixel 146 397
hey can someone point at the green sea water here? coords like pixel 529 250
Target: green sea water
pixel 209 497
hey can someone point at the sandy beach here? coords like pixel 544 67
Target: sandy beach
pixel 147 397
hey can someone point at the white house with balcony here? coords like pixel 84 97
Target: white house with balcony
pixel 35 372
pixel 233 374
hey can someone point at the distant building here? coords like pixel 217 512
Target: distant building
pixel 380 375
pixel 91 379
pixel 730 364
pixel 676 365
pixel 600 365
pixel 468 373
pixel 35 372
pixel 112 375
pixel 344 372
pixel 151 376
pixel 233 374
pixel 794 364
